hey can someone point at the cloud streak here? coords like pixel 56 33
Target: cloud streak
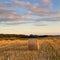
pixel 6 12
pixel 47 3
pixel 32 9
pixel 6 4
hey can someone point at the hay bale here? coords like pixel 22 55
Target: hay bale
pixel 32 44
pixel 47 52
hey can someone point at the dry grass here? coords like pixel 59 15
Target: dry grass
pixel 48 49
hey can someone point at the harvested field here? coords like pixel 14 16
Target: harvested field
pixel 48 49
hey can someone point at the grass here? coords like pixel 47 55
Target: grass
pixel 48 49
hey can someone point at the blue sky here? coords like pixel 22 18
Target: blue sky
pixel 30 16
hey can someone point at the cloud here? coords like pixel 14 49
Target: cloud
pixel 33 8
pixel 23 19
pixel 18 17
pixel 6 12
pixel 21 3
pixel 16 22
pixel 12 17
pixel 41 25
pixel 42 12
pixel 28 4
pixel 47 3
pixel 51 19
pixel 6 4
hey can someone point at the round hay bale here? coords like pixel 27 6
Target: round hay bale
pixel 32 44
pixel 47 52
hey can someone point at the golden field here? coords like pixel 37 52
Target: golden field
pixel 17 49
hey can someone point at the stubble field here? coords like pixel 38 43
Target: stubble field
pixel 47 49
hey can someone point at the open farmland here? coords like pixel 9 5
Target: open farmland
pixel 48 49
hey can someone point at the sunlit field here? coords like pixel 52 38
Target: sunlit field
pixel 18 49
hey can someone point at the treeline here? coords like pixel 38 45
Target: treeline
pixel 14 36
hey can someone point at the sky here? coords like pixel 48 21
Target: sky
pixel 30 17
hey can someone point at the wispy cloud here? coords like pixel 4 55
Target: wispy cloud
pixel 6 4
pixel 16 22
pixel 51 19
pixel 32 9
pixel 47 3
pixel 6 12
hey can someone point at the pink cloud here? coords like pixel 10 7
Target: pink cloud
pixel 47 3
pixel 6 12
